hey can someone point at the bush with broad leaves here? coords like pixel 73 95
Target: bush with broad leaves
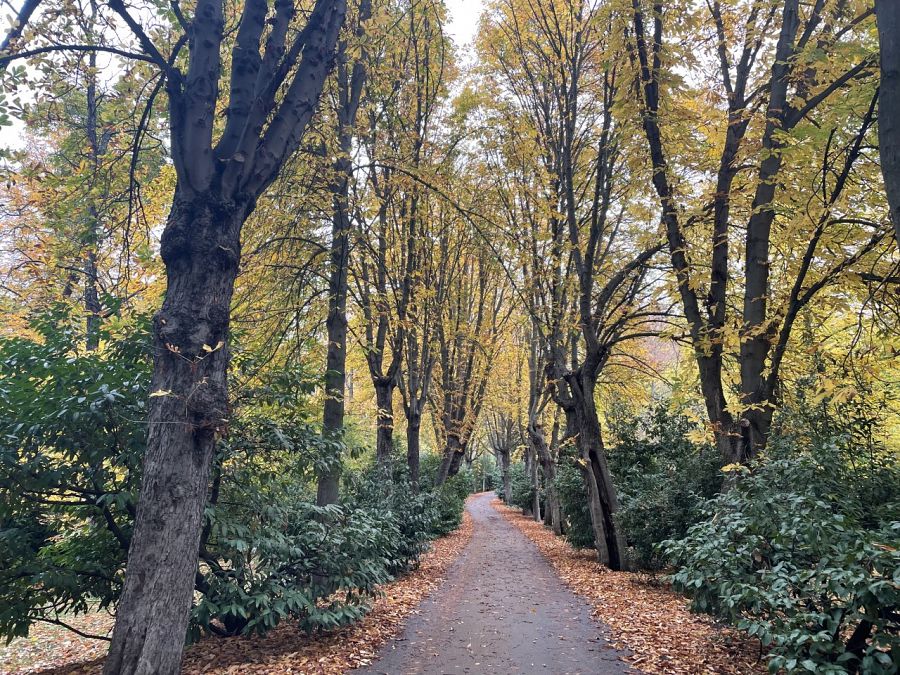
pixel 804 553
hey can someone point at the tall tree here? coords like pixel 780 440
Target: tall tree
pixel 769 95
pixel 278 65
pixel 563 189
pixel 351 79
pixel 391 241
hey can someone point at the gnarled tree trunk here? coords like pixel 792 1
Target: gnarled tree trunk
pixel 583 427
pixel 539 442
pixel 188 411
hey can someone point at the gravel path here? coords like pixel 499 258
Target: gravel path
pixel 502 609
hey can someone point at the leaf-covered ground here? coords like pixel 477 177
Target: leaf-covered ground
pixel 647 618
pixel 51 649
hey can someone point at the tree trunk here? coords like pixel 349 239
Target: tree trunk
pixel 548 466
pixel 336 324
pixel 887 13
pixel 535 491
pixel 91 303
pixel 413 440
pixel 188 410
pixel 584 426
pixel 451 460
pixel 456 461
pixel 507 479
pixel 384 398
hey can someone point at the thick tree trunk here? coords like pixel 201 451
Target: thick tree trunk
pixel 456 461
pixel 384 399
pixel 413 440
pixel 188 412
pixel 887 13
pixel 450 461
pixel 584 426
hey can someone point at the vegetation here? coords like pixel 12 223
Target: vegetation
pixel 282 283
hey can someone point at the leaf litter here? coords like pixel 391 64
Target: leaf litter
pixel 53 650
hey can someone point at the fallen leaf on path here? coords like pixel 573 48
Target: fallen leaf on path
pixel 647 618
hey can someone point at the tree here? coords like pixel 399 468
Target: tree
pixel 351 81
pixel 770 105
pixel 583 260
pixel 502 435
pixel 392 240
pixel 468 338
pixel 275 78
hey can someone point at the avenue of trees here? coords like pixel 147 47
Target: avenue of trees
pixel 282 282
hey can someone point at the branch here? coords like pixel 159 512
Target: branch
pixel 7 59
pixel 118 6
pixel 17 28
pixel 89 636
pixel 812 103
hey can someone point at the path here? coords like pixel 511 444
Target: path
pixel 502 610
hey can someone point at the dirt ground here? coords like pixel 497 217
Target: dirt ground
pixel 502 609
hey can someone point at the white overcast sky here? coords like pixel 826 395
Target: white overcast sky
pixel 463 20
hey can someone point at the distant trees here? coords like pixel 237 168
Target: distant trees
pixel 563 186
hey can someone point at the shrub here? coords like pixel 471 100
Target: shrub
pixel 520 487
pixel 799 554
pixel 73 436
pixel 573 501
pixel 662 478
pixel 450 499
pixel 70 452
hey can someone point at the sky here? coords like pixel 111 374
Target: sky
pixel 463 15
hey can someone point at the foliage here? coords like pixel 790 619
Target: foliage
pixel 73 436
pixel 573 501
pixel 449 498
pixel 521 489
pixel 663 479
pixel 449 501
pixel 70 449
pixel 804 552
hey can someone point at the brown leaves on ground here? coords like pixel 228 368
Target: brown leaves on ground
pixel 284 650
pixel 48 646
pixel 647 618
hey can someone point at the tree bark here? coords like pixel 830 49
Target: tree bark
pixel 454 452
pixel 384 399
pixel 584 427
pixel 188 412
pixel 507 479
pixel 413 441
pixel 535 490
pixel 887 13
pixel 548 466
